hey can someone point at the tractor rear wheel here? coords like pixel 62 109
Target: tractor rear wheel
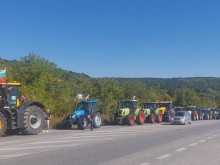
pixel 3 124
pixel 82 123
pixel 140 118
pixel 159 117
pixel 34 120
pixel 130 119
pixel 97 119
pixel 152 118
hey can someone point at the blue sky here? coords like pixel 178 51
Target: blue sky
pixel 116 38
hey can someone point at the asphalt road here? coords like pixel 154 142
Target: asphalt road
pixel 149 144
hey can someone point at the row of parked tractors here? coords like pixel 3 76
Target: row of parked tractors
pixel 130 112
pixel 29 118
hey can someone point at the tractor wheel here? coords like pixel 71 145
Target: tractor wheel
pixel 65 124
pixel 34 120
pixel 152 118
pixel 130 119
pixel 3 124
pixel 140 118
pixel 159 117
pixel 97 120
pixel 82 123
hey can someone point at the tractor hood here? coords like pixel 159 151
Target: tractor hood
pixel 77 113
pixel 124 112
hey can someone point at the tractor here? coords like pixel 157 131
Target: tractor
pixel 128 113
pixel 168 110
pixel 80 116
pixel 27 117
pixel 153 112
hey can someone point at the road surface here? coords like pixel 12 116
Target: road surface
pixel 148 144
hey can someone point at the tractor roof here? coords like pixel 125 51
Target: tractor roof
pixel 90 101
pixel 130 100
pixel 12 83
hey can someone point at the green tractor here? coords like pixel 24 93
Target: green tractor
pixel 153 112
pixel 128 113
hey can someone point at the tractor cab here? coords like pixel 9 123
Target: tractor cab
pixel 86 105
pixel 127 107
pixel 14 97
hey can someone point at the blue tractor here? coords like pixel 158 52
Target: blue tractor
pixel 81 116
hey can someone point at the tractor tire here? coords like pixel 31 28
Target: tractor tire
pixel 130 120
pixel 97 120
pixel 140 118
pixel 82 122
pixel 65 124
pixel 159 117
pixel 34 120
pixel 3 124
pixel 152 118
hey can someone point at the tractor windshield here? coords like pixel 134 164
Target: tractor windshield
pixel 129 104
pixel 168 106
pixel 150 106
pixel 82 106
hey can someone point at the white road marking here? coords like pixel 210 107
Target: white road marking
pixel 193 144
pixel 144 164
pixel 201 141
pixel 215 135
pixel 10 142
pixel 209 138
pixel 163 156
pixel 52 146
pixel 181 149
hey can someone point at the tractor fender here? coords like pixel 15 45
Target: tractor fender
pixel 31 103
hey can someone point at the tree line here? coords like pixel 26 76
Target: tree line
pixel 44 81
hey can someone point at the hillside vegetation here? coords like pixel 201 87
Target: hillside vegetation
pixel 57 88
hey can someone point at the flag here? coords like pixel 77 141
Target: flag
pixel 23 98
pixel 3 75
pixel 87 97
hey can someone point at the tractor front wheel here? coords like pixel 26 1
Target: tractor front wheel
pixel 82 123
pixel 3 124
pixel 140 118
pixel 34 120
pixel 97 120
pixel 130 119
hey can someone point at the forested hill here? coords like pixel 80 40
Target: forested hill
pixel 199 84
pixel 57 88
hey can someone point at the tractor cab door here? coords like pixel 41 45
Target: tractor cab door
pixel 134 106
pixel 14 98
pixel 92 106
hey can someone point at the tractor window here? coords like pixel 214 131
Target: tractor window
pixel 135 103
pixel 150 106
pixel 13 96
pixel 82 106
pixel 92 106
pixel 126 104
